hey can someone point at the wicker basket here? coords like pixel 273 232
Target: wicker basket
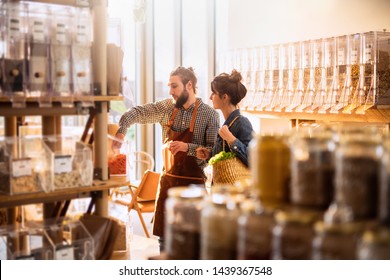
pixel 229 171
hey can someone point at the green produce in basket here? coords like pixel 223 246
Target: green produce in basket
pixel 221 156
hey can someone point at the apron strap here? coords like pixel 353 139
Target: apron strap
pixel 193 118
pixel 172 117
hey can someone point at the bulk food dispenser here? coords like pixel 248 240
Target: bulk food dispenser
pixel 305 76
pixel 330 64
pixel 260 78
pixel 297 88
pixel 269 78
pixel 82 56
pixel 281 89
pixel 60 48
pixel 13 62
pixel 38 56
pixel 344 74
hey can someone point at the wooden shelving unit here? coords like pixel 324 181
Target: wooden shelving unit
pixel 51 123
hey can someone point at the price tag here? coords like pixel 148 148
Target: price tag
pixel 21 167
pixel 62 164
pixel 65 253
pixel 340 57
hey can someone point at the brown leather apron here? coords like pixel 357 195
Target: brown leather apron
pixel 183 171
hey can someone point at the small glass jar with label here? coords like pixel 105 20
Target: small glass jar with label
pixel 182 224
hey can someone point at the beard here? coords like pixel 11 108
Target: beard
pixel 182 99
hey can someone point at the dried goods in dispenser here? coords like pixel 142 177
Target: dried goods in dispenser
pixel 14 62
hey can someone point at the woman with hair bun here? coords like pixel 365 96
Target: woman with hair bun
pixel 226 93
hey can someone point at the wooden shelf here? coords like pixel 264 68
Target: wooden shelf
pixel 33 108
pixel 59 195
pixel 369 116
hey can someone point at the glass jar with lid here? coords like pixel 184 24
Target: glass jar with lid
pixel 255 225
pixel 292 234
pixel 312 167
pixel 337 235
pixel 375 244
pixel 357 159
pixel 384 185
pixel 269 161
pixel 182 224
pixel 219 228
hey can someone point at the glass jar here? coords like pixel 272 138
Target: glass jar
pixel 375 245
pixel 182 224
pixel 269 161
pixel 255 231
pixel 219 228
pixel 292 235
pixel 384 185
pixel 312 168
pixel 335 241
pixel 357 159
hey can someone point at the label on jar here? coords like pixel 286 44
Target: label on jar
pixel 306 60
pixel 21 167
pixel 14 27
pixel 65 253
pixel 340 56
pixel 60 33
pixel 62 164
pixel 81 33
pixel 354 56
pixel 83 3
pixel 368 53
pixel 38 31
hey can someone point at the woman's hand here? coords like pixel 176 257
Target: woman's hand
pixel 202 153
pixel 226 135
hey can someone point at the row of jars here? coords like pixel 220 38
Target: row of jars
pixel 322 187
pixel 225 225
pixel 338 74
pixel 45 51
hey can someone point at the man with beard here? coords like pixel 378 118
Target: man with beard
pixel 187 124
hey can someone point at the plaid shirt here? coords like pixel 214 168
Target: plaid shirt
pixel 206 124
